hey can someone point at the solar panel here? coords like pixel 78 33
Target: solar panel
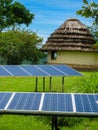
pixel 25 101
pixel 34 70
pixel 4 72
pixel 57 102
pixel 49 104
pixel 37 70
pixel 4 97
pixel 52 70
pixel 86 103
pixel 67 70
pixel 16 70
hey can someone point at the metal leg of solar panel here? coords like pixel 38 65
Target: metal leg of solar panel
pixel 54 123
pixel 36 84
pixel 62 84
pixel 43 84
pixel 50 83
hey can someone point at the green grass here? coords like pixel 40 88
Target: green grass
pixel 27 84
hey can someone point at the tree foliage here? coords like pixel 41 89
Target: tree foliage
pixel 90 10
pixel 13 13
pixel 19 45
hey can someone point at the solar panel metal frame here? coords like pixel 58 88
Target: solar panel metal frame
pixel 40 111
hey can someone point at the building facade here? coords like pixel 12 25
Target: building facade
pixel 72 44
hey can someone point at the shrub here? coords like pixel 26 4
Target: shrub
pixel 87 84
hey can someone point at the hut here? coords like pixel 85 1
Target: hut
pixel 72 44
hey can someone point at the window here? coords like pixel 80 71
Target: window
pixel 53 55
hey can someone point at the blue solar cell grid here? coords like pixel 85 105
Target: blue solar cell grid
pixel 3 72
pixel 57 102
pixel 25 101
pixel 16 70
pixel 37 70
pixel 51 70
pixel 67 70
pixel 34 70
pixel 4 97
pixel 86 103
pixel 49 103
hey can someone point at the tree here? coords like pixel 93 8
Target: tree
pixel 90 10
pixel 19 45
pixel 13 13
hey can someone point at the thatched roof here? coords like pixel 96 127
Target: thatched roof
pixel 71 35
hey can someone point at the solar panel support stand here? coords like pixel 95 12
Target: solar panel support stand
pixel 62 84
pixel 50 83
pixel 43 84
pixel 54 123
pixel 36 84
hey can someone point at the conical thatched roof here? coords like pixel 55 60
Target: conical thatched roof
pixel 71 35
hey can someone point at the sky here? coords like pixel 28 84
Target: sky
pixel 50 14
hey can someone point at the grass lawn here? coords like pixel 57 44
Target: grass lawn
pixel 27 84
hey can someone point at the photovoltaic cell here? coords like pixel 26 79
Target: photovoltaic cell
pixel 57 102
pixel 25 101
pixel 86 102
pixel 78 103
pixel 3 72
pixel 66 69
pixel 51 70
pixel 34 70
pixel 15 70
pixel 4 97
pixel 94 102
